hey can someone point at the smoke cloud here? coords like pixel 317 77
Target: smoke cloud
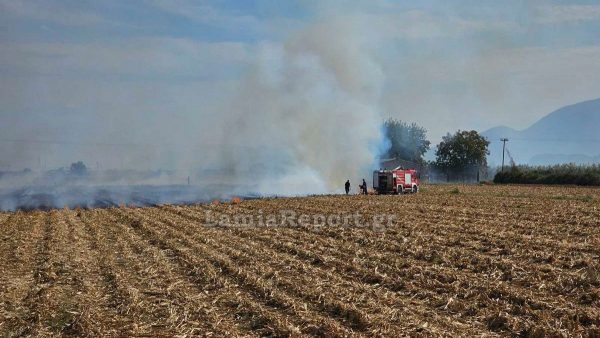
pixel 302 119
pixel 271 98
pixel 309 108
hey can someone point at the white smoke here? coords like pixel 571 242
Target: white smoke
pixel 302 119
pixel 311 105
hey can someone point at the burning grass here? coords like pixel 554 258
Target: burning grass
pixel 484 260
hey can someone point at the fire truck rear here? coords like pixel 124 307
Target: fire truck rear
pixel 396 181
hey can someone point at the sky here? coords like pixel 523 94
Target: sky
pixel 119 82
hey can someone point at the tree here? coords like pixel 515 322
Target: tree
pixel 78 169
pixel 407 141
pixel 462 150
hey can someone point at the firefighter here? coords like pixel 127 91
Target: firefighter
pixel 347 186
pixel 364 187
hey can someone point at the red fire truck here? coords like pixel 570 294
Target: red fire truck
pixel 396 181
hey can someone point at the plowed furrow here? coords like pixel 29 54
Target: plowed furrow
pixel 224 245
pixel 9 235
pixel 211 307
pixel 307 273
pixel 42 278
pixel 256 286
pixel 157 304
pixel 22 260
pixel 443 236
pixel 115 292
pixel 470 212
pixel 441 277
pixel 57 309
pixel 95 295
pixel 461 287
pixel 125 280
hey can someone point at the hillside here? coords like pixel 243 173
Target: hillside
pixel 569 134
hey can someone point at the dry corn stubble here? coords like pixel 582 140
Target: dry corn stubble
pixel 488 260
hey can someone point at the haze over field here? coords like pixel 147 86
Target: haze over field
pixel 285 97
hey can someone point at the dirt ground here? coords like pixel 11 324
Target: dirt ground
pixel 476 260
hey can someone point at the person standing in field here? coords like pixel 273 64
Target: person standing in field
pixel 364 186
pixel 347 186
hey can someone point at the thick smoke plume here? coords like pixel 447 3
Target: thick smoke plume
pixel 302 119
pixel 308 110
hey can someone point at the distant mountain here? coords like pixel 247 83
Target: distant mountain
pixel 569 134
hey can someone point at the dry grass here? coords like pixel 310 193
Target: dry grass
pixel 484 261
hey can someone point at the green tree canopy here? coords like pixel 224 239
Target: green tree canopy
pixel 407 141
pixel 461 150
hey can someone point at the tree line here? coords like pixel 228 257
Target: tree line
pixel 557 174
pixel 456 152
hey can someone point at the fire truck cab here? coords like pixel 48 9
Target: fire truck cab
pixel 396 181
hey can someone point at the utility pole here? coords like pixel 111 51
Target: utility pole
pixel 504 140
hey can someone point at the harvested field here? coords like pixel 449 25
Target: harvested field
pixel 458 260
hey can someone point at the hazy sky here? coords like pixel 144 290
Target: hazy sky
pixel 138 73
